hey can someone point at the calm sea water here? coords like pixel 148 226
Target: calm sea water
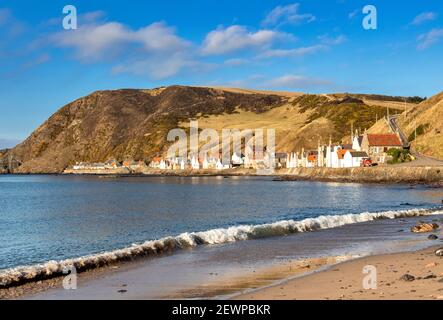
pixel 46 218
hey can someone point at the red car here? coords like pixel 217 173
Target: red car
pixel 366 163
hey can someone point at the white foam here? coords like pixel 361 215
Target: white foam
pixel 19 275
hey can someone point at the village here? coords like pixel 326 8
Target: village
pixel 366 150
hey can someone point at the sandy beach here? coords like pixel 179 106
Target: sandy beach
pixel 344 281
pixel 309 279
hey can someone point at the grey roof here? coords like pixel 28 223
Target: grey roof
pixel 359 154
pixel 281 155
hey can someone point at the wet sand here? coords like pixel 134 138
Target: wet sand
pixel 344 281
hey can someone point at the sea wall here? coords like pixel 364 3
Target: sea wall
pixel 380 174
pixel 98 172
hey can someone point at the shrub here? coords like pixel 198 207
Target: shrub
pixel 398 155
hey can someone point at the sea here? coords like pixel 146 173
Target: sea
pixel 48 222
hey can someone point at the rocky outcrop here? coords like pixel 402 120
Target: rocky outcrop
pixel 424 227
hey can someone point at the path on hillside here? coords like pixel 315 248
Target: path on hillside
pixel 396 129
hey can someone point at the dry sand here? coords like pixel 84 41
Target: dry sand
pixel 345 281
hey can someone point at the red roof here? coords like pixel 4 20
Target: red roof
pixel 384 140
pixel 341 153
pixel 312 158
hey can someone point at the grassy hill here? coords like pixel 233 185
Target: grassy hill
pixel 133 124
pixel 427 118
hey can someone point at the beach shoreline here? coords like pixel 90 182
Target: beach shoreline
pixel 274 280
pixel 345 280
pixel 321 278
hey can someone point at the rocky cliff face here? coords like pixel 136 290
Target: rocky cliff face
pixel 124 124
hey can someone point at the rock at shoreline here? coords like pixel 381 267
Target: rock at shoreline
pixel 407 277
pixel 432 237
pixel 424 227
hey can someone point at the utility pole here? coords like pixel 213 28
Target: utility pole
pixel 415 134
pixel 405 109
pixel 10 163
pixel 352 131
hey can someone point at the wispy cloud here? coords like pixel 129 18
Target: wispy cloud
pixel 299 82
pixel 97 41
pixel 326 42
pixel 154 50
pixel 297 52
pixel 236 62
pixel 354 13
pixel 11 27
pixel 332 41
pixel 289 14
pixel 428 39
pixel 235 38
pixel 287 81
pixel 424 17
pixel 40 59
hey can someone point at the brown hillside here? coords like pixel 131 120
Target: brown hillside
pixel 427 117
pixel 133 124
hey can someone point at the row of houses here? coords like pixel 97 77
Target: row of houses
pixel 110 165
pixel 364 149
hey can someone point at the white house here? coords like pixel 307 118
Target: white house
pixel 356 142
pixel 353 158
pixel 236 160
pixel 195 164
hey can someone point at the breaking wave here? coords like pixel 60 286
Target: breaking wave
pixel 20 275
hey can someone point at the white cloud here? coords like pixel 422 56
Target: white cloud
pixel 297 52
pixel 295 82
pixel 354 13
pixel 159 67
pixel 424 17
pixel 154 50
pixel 94 41
pixel 428 39
pixel 236 62
pixel 11 27
pixel 234 38
pixel 332 41
pixel 41 59
pixel 288 81
pixel 159 37
pixel 288 14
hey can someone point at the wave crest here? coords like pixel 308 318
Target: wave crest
pixel 20 275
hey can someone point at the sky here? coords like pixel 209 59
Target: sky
pixel 312 46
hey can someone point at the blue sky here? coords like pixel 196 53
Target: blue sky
pixel 310 46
